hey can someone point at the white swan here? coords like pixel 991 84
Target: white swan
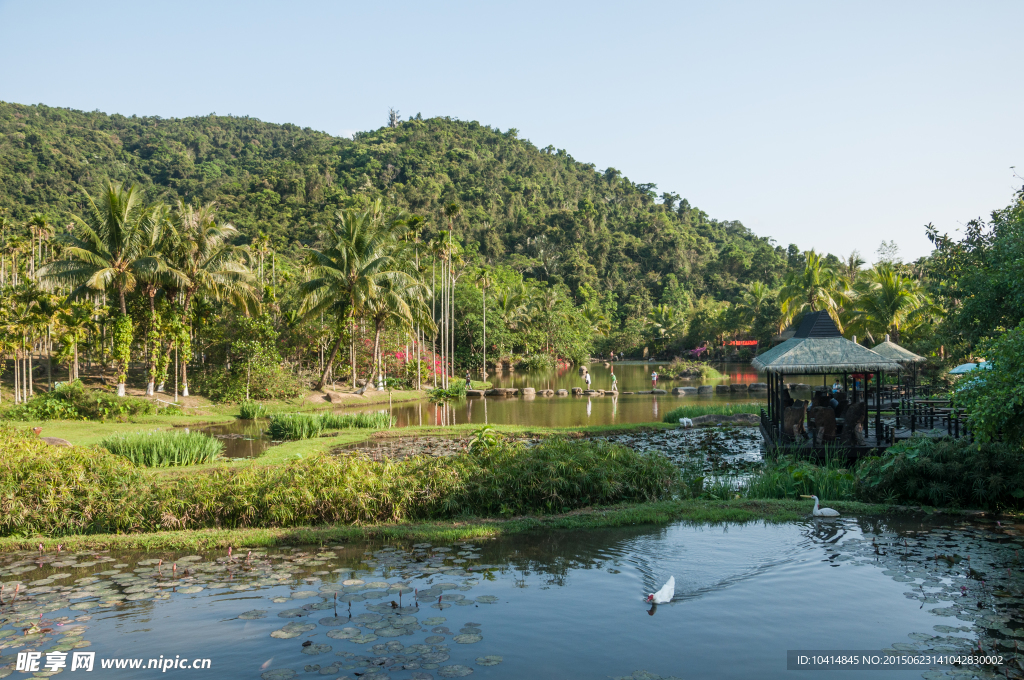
pixel 686 422
pixel 821 512
pixel 666 593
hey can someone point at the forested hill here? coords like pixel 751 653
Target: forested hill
pixel 538 210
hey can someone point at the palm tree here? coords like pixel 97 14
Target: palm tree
pixel 817 287
pixel 666 323
pixel 75 322
pixel 109 249
pixel 484 280
pixel 357 258
pixel 753 301
pixel 513 308
pixel 850 268
pixel 201 251
pixel 596 320
pixel 887 302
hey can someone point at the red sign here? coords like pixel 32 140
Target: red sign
pixel 742 343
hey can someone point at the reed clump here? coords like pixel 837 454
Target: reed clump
pixel 251 410
pixel 163 449
pixel 830 478
pixel 695 410
pixel 309 425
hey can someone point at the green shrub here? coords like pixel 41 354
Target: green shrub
pixel 683 368
pixel 535 362
pixel 220 385
pixel 251 410
pixel 695 410
pixel 58 491
pixel 162 449
pixel 456 390
pixel 61 491
pixel 309 425
pixel 946 472
pixel 72 401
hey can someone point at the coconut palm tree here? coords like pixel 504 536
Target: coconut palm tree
pixel 484 280
pixel 666 324
pixel 358 256
pixel 817 287
pixel 596 320
pixel 110 249
pixel 888 302
pixel 212 267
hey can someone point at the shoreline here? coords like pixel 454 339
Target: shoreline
pixel 738 511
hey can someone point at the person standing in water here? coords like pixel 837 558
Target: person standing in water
pixel 615 382
pixel 654 379
pixel 586 378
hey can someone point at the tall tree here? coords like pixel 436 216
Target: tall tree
pixel 107 251
pixel 814 288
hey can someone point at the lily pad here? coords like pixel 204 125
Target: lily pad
pixel 344 634
pixel 303 594
pixel 491 599
pixel 253 614
pixel 293 630
pixel 275 600
pixel 363 639
pixel 293 613
pixel 191 590
pixel 333 621
pixel 467 639
pixel 389 631
pixel 353 582
pixel 455 671
pixel 316 649
pixel 279 674
pixel 434 621
pixel 488 660
pixel 434 639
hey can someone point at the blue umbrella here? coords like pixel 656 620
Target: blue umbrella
pixel 967 368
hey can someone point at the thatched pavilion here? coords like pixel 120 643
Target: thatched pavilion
pixel 818 348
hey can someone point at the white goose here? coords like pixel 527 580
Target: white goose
pixel 666 593
pixel 821 512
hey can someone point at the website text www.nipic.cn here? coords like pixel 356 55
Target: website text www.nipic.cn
pixel 33 662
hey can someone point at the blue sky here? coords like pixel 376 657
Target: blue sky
pixel 831 125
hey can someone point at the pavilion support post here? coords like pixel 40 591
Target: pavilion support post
pixel 782 419
pixel 878 406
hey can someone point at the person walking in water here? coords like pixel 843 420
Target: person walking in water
pixel 586 378
pixel 615 383
pixel 654 379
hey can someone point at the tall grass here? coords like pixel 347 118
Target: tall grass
pixel 163 449
pixel 309 425
pixel 791 477
pixel 251 410
pixel 695 410
pixel 74 490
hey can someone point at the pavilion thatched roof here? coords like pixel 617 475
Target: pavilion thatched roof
pixel 890 350
pixel 819 347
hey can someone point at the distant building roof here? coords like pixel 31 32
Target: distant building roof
pixel 890 350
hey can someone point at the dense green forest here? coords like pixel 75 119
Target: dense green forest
pixel 618 245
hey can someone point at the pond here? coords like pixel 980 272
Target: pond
pixel 540 605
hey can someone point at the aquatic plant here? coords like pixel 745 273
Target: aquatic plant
pixel 695 410
pixel 251 410
pixel 790 476
pixel 681 368
pixel 161 449
pixel 535 362
pixel 309 425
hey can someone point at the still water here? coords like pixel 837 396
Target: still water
pixel 542 605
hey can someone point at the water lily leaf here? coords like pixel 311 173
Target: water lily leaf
pixel 467 639
pixel 421 676
pixel 316 649
pixel 435 657
pixel 279 674
pixel 440 605
pixel 192 590
pixel 491 599
pixel 456 671
pixel 389 631
pixel 434 621
pixel 303 594
pixel 378 584
pixel 470 630
pixel 434 639
pixel 363 639
pixel 293 613
pixel 292 630
pixel 353 582
pixel 344 634
pixel 276 600
pixel 333 621
pixel 253 614
pixel 489 660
